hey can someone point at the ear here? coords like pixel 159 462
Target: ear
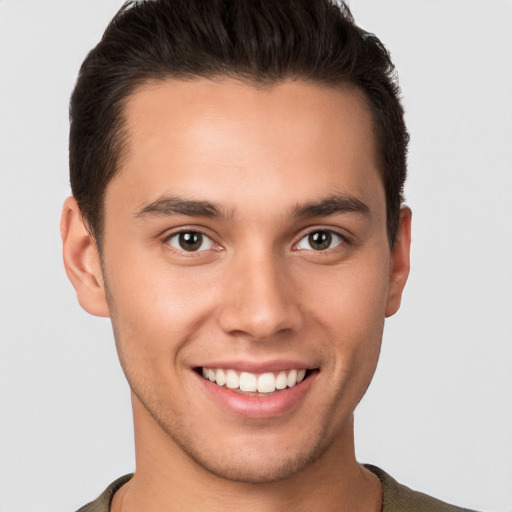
pixel 82 260
pixel 400 262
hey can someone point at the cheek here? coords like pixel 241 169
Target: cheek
pixel 156 310
pixel 351 313
pixel 351 298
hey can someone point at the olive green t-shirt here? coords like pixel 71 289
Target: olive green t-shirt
pixel 396 497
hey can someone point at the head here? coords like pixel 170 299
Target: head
pixel 239 168
pixel 258 42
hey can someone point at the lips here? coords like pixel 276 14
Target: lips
pixel 248 382
pixel 258 390
pixel 246 400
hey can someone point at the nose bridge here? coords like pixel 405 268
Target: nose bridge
pixel 259 300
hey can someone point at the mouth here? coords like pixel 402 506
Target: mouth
pixel 258 391
pixel 255 384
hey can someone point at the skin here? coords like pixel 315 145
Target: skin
pixel 259 291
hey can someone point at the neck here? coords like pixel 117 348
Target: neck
pixel 167 479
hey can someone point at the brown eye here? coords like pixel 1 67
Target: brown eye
pixel 320 240
pixel 190 241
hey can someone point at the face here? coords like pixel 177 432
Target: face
pixel 248 271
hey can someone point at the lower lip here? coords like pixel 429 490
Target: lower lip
pixel 258 406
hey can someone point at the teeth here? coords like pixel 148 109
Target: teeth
pixel 232 379
pixel 220 377
pixel 250 382
pixel 291 380
pixel 281 380
pixel 266 383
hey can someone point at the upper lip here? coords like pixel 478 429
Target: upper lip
pixel 258 366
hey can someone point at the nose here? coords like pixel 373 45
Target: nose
pixel 259 299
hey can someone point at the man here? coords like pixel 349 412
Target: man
pixel 237 171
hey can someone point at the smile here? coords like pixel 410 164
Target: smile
pixel 247 382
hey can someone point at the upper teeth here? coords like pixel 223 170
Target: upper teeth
pixel 252 382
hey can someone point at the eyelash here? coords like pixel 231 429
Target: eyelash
pixel 212 245
pixel 176 235
pixel 342 240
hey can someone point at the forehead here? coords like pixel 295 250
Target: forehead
pixel 227 139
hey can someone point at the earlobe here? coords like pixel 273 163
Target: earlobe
pixel 82 260
pixel 400 262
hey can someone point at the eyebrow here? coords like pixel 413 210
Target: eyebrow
pixel 168 206
pixel 333 205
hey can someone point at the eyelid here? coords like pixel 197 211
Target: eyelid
pixel 168 235
pixel 336 232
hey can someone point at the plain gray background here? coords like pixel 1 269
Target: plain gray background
pixel 438 415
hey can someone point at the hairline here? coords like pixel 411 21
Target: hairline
pixel 121 135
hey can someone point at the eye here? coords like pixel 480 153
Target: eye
pixel 190 241
pixel 320 240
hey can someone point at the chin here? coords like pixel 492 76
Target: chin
pixel 254 459
pixel 256 468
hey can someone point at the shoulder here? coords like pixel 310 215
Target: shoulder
pixel 399 498
pixel 396 497
pixel 102 503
